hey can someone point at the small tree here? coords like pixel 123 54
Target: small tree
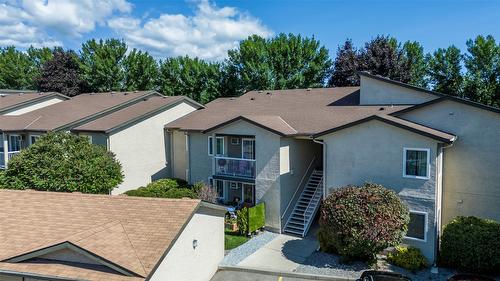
pixel 205 192
pixel 358 222
pixel 64 162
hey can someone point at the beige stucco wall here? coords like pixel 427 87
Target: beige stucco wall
pixel 185 263
pixel 374 91
pixel 141 150
pixel 35 106
pixel 471 177
pixel 373 152
pixel 179 154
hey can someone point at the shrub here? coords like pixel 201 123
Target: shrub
pixel 205 192
pixel 164 188
pixel 242 221
pixel 471 244
pixel 408 257
pixel 358 222
pixel 256 217
pixel 64 162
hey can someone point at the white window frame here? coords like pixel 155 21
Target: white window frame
pixel 223 146
pixel 426 226
pixel 254 152
pixel 405 149
pixel 36 136
pixel 9 143
pixel 237 142
pixel 210 146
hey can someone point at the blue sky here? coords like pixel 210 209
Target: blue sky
pixel 208 28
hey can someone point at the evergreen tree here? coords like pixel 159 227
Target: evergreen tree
pixel 345 66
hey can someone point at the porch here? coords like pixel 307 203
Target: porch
pixel 12 143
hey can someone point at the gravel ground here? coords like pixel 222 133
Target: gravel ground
pixel 238 254
pixel 328 264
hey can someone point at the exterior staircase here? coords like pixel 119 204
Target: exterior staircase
pixel 306 207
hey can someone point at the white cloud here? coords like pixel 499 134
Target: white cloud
pixel 29 22
pixel 208 34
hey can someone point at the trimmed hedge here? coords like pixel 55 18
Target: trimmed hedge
pixel 359 222
pixel 251 219
pixel 408 257
pixel 164 188
pixel 471 244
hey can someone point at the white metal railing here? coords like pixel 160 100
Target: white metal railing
pixel 11 154
pixel 234 167
pixel 299 185
pixel 310 208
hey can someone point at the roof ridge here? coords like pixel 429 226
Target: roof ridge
pixel 287 123
pixel 133 248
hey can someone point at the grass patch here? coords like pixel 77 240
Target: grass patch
pixel 233 239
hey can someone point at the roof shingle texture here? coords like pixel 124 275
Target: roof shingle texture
pixel 10 100
pixel 59 114
pixel 131 112
pixel 290 112
pixel 131 232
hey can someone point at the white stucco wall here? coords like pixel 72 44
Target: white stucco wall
pixel 373 152
pixel 374 91
pixel 471 177
pixel 35 106
pixel 141 150
pixel 185 263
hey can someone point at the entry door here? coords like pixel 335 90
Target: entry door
pixel 248 149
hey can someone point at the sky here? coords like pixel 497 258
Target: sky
pixel 208 28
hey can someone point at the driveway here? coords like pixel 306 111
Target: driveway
pixel 227 275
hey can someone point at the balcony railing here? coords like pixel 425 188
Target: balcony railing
pixel 235 167
pixel 10 154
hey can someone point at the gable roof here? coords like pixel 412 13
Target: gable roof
pixel 296 112
pixel 13 101
pixel 403 124
pixel 130 234
pixel 133 113
pixel 77 110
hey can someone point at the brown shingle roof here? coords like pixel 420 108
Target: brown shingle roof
pixel 13 100
pixel 132 112
pixel 304 111
pixel 78 108
pixel 130 232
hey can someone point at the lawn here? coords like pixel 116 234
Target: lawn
pixel 233 239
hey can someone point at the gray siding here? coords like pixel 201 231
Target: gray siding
pixel 200 163
pixel 179 155
pixel 378 92
pixel 373 152
pixel 471 177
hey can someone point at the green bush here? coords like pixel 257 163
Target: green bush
pixel 164 188
pixel 358 222
pixel 63 162
pixel 471 244
pixel 242 221
pixel 408 257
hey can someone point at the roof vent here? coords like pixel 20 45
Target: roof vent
pixel 125 93
pixel 308 89
pixel 112 93
pixel 231 98
pixel 92 93
pixel 21 93
pixel 381 108
pixel 136 91
pixel 252 98
pixel 2 95
pixel 268 93
pixel 260 92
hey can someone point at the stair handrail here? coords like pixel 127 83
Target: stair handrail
pixel 299 185
pixel 309 205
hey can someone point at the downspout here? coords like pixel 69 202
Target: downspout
pixel 324 163
pixel 434 268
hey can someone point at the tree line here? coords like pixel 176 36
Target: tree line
pixel 282 62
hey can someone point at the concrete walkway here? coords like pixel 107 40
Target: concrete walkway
pixel 284 253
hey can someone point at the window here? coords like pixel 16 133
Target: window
pixel 210 146
pixel 14 143
pixel 219 146
pixel 219 188
pixel 235 141
pixel 248 149
pixel 416 163
pixel 34 138
pixel 417 228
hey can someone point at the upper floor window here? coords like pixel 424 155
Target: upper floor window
pixel 210 145
pixel 416 163
pixel 417 228
pixel 219 146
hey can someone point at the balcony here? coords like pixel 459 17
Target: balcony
pixel 235 167
pixel 12 153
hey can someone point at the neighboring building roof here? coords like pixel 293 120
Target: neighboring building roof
pixel 298 112
pixel 133 113
pixel 14 100
pixel 81 108
pixel 403 124
pixel 126 236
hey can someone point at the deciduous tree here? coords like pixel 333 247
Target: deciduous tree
pixel 61 74
pixel 345 66
pixel 141 71
pixel 444 71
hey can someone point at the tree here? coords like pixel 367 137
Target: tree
pixel 64 162
pixel 194 78
pixel 444 71
pixel 141 71
pixel 16 69
pixel 101 64
pixel 359 222
pixel 345 66
pixel 61 74
pixel 38 56
pixel 415 63
pixel 483 70
pixel 282 62
pixel 383 56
